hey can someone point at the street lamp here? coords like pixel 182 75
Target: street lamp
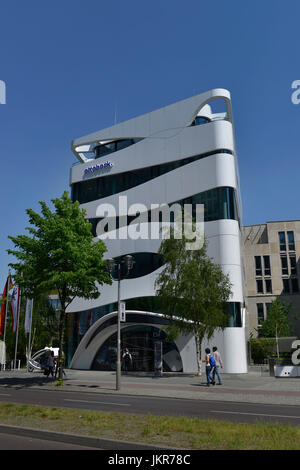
pixel 128 262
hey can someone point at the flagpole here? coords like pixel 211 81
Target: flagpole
pixel 17 332
pixel 29 338
pixel 6 310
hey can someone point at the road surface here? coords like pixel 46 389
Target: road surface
pixel 203 409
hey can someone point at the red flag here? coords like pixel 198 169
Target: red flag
pixel 2 311
pixel 3 306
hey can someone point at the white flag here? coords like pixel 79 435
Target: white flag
pixel 15 307
pixel 28 315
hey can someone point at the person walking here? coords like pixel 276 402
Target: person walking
pixel 127 360
pixel 219 363
pixel 210 364
pixel 50 364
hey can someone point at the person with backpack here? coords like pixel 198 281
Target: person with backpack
pixel 210 365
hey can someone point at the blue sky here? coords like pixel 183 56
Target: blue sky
pixel 69 65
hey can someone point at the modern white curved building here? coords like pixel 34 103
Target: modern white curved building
pixel 185 153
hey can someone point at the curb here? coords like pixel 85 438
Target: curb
pixel 96 442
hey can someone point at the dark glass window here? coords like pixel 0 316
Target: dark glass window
pixel 104 186
pixel 260 313
pixel 291 241
pixel 258 270
pixel 284 265
pixel 219 203
pixel 233 310
pixel 259 286
pixel 106 149
pixel 282 243
pixel 286 286
pixel 267 266
pixel 268 286
pixel 295 287
pixel 293 265
pixel 144 263
pixel 268 305
pixel 200 120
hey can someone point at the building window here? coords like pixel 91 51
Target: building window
pixel 282 243
pixel 268 305
pixel 284 265
pixel 267 266
pixel 259 286
pixel 286 286
pixel 293 265
pixel 105 149
pixel 258 269
pixel 268 286
pixel 260 313
pixel 291 241
pixel 295 286
pixel 200 120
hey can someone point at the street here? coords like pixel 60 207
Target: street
pixel 203 409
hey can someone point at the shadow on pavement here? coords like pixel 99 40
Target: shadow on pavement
pixel 24 382
pixel 43 381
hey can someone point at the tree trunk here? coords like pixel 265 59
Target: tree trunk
pixel 61 342
pixel 277 344
pixel 198 352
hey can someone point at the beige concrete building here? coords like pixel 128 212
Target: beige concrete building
pixel 272 252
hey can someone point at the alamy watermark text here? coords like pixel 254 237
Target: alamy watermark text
pixel 2 92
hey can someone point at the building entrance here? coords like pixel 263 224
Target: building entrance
pixel 139 340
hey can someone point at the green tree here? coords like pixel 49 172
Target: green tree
pixel 59 254
pixel 193 291
pixel 277 323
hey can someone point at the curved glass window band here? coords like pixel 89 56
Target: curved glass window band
pixel 219 203
pixel 98 188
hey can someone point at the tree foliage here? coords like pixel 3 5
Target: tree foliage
pixel 59 254
pixel 193 290
pixel 277 323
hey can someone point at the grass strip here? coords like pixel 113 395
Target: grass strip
pixel 174 432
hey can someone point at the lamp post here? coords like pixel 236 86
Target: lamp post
pixel 128 262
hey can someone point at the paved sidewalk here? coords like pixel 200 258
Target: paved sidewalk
pixel 254 387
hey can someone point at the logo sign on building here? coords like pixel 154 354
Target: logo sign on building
pixel 101 166
pixel 122 311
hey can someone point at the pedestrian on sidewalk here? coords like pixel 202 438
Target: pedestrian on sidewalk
pixel 217 357
pixel 210 364
pixel 50 364
pixel 127 360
